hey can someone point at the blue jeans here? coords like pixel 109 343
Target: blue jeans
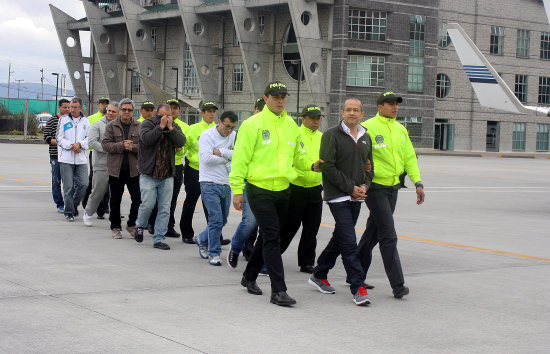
pixel 247 225
pixel 75 182
pixel 56 183
pixel 153 190
pixel 217 199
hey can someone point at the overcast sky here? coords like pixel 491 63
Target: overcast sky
pixel 29 40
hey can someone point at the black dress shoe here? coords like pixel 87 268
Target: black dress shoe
pixel 225 241
pixel 162 246
pixel 138 234
pixel 188 240
pixel 307 269
pixel 400 291
pixel 172 233
pixel 281 298
pixel 100 217
pixel 251 286
pixel 151 229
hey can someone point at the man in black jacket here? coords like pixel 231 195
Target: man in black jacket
pixel 346 150
pixel 158 138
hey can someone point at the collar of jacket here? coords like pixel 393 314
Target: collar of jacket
pixel 71 116
pixel 207 125
pixel 384 120
pixel 104 119
pixel 307 130
pixel 266 112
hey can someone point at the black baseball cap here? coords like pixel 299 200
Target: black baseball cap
pixel 388 96
pixel 174 101
pixel 259 104
pixel 311 110
pixel 103 100
pixel 208 105
pixel 275 88
pixel 147 104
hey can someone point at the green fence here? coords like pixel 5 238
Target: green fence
pixel 17 105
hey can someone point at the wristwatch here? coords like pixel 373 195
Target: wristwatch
pixel 419 184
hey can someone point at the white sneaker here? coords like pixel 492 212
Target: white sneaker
pixel 215 260
pixel 87 219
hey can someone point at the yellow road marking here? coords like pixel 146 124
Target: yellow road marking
pixel 417 239
pixel 22 180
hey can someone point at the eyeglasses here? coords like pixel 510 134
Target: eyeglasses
pixel 127 109
pixel 229 127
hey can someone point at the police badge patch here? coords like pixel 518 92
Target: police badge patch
pixel 265 134
pixel 379 139
pixel 302 144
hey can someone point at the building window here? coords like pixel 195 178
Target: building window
pixel 190 82
pixel 443 38
pixel 442 85
pixel 542 137
pixel 291 55
pixel 520 88
pixel 136 82
pixel 365 71
pixel 497 40
pixel 366 24
pixel 261 22
pixel 154 31
pixel 544 90
pixel 235 38
pixel 518 137
pixel 545 45
pixel 238 77
pixel 522 50
pixel 416 53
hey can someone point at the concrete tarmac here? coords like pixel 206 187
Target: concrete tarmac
pixel 476 256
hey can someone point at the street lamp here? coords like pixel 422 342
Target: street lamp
pixel 177 80
pixel 56 85
pixel 131 82
pixel 18 83
pixel 299 63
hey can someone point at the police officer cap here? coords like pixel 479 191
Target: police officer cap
pixel 259 104
pixel 103 100
pixel 311 110
pixel 173 101
pixel 208 105
pixel 388 96
pixel 275 88
pixel 147 104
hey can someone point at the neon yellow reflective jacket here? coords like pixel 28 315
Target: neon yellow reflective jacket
pixel 311 141
pixel 185 130
pixel 94 118
pixel 267 147
pixel 140 119
pixel 192 143
pixel 392 151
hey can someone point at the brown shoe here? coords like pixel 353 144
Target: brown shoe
pixel 117 233
pixel 131 230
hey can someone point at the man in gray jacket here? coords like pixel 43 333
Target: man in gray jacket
pixel 100 179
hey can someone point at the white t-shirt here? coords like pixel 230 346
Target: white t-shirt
pixel 213 168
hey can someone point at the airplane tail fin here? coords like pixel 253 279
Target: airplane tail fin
pixel 490 89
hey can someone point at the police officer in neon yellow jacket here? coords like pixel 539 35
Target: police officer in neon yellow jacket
pixel 266 154
pixel 306 198
pixel 393 153
pixel 191 170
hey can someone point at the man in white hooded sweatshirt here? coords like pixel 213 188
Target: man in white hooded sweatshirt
pixel 72 143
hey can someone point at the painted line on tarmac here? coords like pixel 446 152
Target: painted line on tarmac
pixel 434 242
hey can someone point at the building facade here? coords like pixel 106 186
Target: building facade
pixel 325 50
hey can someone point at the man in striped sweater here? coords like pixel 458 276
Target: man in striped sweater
pixel 50 133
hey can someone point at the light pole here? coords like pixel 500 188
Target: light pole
pixel 56 85
pixel 89 91
pixel 299 62
pixel 177 80
pixel 131 82
pixel 18 83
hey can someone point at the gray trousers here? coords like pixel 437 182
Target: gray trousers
pixel 100 185
pixel 75 182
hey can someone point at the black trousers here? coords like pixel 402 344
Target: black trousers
pixel 178 180
pixel 305 208
pixel 270 209
pixel 103 207
pixel 343 242
pixel 192 194
pixel 116 184
pixel 381 229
